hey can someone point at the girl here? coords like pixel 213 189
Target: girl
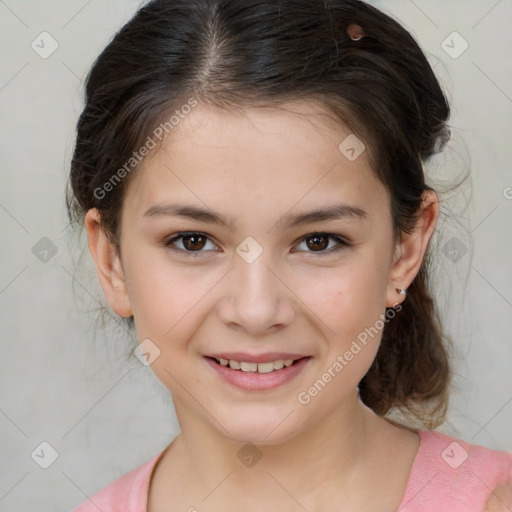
pixel 250 177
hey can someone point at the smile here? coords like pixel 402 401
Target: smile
pixel 245 366
pixel 257 375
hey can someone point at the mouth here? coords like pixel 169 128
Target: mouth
pixel 265 373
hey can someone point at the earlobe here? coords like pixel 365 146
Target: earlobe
pixel 108 265
pixel 411 250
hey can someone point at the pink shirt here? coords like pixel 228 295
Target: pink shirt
pixel 448 475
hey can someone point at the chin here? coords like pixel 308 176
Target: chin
pixel 266 428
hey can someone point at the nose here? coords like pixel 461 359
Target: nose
pixel 256 298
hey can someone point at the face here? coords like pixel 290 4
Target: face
pixel 251 238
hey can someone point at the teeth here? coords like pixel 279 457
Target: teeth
pixel 234 365
pixel 256 367
pixel 266 367
pixel 249 367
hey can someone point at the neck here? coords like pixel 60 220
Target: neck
pixel 333 450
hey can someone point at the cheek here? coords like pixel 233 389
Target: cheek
pixel 348 303
pixel 169 304
pixel 166 299
pixel 348 298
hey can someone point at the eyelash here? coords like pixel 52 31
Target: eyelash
pixel 342 243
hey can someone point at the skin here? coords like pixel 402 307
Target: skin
pixel 254 168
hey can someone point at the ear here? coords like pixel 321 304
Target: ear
pixel 411 249
pixel 108 265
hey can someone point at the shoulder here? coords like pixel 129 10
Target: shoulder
pixel 128 493
pixel 451 455
pixel 450 472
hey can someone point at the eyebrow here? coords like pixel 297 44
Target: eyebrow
pixel 334 212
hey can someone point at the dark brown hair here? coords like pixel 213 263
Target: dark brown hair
pixel 250 53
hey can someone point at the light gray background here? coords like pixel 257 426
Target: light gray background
pixel 103 419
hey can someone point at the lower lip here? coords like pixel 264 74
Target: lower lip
pixel 255 381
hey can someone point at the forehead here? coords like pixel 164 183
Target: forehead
pixel 295 153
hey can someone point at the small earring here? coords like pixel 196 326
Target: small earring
pixel 402 292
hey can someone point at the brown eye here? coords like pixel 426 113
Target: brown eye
pixel 317 242
pixel 194 242
pixel 321 243
pixel 190 244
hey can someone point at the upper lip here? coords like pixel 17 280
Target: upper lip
pixel 256 358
